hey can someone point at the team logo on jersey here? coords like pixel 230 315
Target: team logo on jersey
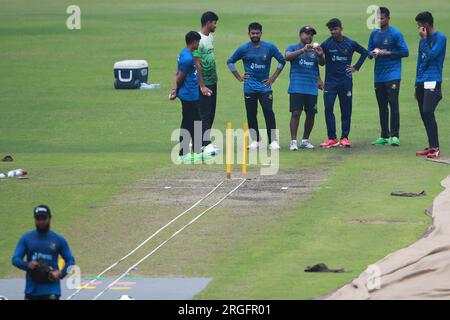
pixel 52 246
pixel 264 57
pixel 385 41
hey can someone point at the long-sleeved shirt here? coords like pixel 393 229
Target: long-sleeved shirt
pixel 388 68
pixel 304 71
pixel 257 61
pixel 430 60
pixel 338 57
pixel 47 246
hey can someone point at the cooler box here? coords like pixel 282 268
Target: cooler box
pixel 129 74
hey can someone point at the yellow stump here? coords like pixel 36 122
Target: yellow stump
pixel 229 138
pixel 245 151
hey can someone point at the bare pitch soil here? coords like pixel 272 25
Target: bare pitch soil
pixel 113 229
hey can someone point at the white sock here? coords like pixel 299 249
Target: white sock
pixel 305 140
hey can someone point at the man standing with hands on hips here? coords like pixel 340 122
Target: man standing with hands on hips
pixel 339 51
pixel 257 57
pixel 430 62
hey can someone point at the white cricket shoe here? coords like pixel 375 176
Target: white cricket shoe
pixel 254 145
pixel 274 145
pixel 293 146
pixel 307 145
pixel 211 150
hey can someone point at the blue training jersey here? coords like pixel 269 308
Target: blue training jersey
pixel 338 57
pixel 257 61
pixel 388 68
pixel 430 60
pixel 189 90
pixel 304 71
pixel 47 246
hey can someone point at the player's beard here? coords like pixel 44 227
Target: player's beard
pixel 43 230
pixel 255 40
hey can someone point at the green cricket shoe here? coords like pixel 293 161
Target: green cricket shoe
pixel 380 142
pixel 201 157
pixel 394 141
pixel 187 158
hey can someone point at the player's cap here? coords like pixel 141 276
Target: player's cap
pixel 42 210
pixel 308 28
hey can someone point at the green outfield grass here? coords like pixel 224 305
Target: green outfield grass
pixel 84 142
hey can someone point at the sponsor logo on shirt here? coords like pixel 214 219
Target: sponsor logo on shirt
pixel 38 255
pixel 257 66
pixel 306 63
pixel 338 58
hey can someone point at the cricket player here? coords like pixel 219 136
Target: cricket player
pixel 387 47
pixel 257 57
pixel 42 248
pixel 186 88
pixel 207 77
pixel 338 50
pixel 304 84
pixel 430 62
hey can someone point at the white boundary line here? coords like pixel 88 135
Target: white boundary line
pixel 171 237
pixel 146 240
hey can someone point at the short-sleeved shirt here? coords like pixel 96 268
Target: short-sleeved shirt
pixel 189 90
pixel 205 52
pixel 304 71
pixel 257 61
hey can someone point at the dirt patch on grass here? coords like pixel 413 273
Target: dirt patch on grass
pixel 361 221
pixel 113 229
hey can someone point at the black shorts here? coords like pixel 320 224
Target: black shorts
pixel 301 101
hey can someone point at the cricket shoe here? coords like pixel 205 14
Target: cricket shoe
pixel 293 146
pixel 434 153
pixel 424 152
pixel 330 143
pixel 394 141
pixel 187 158
pixel 307 145
pixel 201 157
pixel 274 145
pixel 211 150
pixel 345 143
pixel 380 142
pixel 254 145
